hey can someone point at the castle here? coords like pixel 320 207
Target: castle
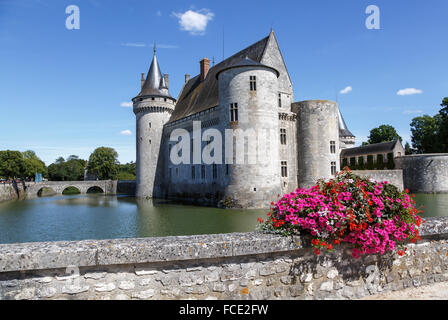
pixel 246 93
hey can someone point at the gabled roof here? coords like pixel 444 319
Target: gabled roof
pixel 375 148
pixel 198 96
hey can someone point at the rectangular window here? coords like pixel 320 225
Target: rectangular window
pixel 170 173
pixel 150 125
pixel 193 172
pixel 283 136
pixel 253 83
pixel 177 172
pixel 332 146
pixel 227 169
pixel 233 112
pixel 215 171
pixel 284 169
pixel 202 172
pixel 333 168
pixel 279 100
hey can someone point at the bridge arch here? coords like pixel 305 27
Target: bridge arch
pixel 46 191
pixel 69 190
pixel 95 189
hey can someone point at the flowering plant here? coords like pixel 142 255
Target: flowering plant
pixel 375 217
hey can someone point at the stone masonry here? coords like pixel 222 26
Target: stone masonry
pixel 224 266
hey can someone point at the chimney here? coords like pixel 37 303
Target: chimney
pixel 142 80
pixel 205 65
pixel 167 80
pixel 187 78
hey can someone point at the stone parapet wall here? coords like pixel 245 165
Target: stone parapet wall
pixel 224 266
pixel 425 173
pixel 394 177
pixel 11 191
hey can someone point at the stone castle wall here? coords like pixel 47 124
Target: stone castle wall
pixel 425 173
pixel 394 177
pixel 11 191
pixel 317 125
pixel 223 266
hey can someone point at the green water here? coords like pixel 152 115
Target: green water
pixel 81 217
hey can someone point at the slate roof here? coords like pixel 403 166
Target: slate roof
pixel 343 130
pixel 375 148
pixel 198 96
pixel 155 82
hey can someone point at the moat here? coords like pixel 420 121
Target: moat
pixel 81 217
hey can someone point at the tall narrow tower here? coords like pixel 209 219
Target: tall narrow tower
pixel 152 107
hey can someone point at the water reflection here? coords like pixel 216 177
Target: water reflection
pixel 98 216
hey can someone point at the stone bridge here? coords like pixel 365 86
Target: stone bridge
pixel 32 189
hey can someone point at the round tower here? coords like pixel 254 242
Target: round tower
pixel 248 93
pixel 152 107
pixel 317 140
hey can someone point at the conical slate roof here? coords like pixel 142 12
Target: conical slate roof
pixel 155 82
pixel 343 130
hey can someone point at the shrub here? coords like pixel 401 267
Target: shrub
pixel 379 162
pixel 361 165
pixel 390 161
pixel 375 217
pixel 370 165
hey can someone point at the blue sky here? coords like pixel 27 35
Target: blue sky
pixel 62 91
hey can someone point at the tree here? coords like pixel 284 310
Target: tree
pixel 127 171
pixel 383 133
pixel 407 149
pixel 443 132
pixel 425 134
pixel 103 163
pixel 11 164
pixel 32 164
pixel 70 170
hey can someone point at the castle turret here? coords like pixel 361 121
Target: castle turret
pixel 153 107
pixel 318 140
pixel 248 93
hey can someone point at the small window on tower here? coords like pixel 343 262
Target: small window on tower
pixel 253 83
pixel 233 112
pixel 215 171
pixel 332 146
pixel 150 125
pixel 283 136
pixel 193 172
pixel 284 165
pixel 333 168
pixel 153 98
pixel 279 100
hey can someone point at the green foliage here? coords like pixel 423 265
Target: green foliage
pixel 443 132
pixel 390 161
pixel 11 164
pixel 361 165
pixel 425 134
pixel 344 163
pixel 383 133
pixel 127 171
pixel 353 163
pixel 70 191
pixel 70 170
pixel 103 163
pixel 407 149
pixel 370 165
pixel 379 162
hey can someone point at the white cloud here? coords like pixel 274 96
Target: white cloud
pixel 143 45
pixel 194 22
pixel 133 44
pixel 126 132
pixel 346 90
pixel 409 91
pixel 412 111
pixel 126 104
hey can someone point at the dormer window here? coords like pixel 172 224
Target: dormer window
pixel 253 83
